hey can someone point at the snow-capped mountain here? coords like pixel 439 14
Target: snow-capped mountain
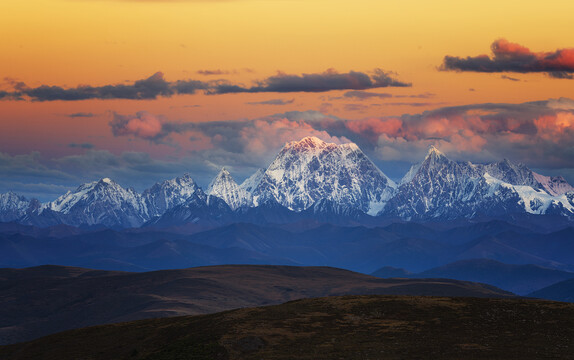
pixel 554 185
pixel 12 206
pixel 311 180
pixel 102 202
pixel 253 181
pixel 309 170
pixel 168 194
pixel 439 188
pixel 224 187
pixel 198 207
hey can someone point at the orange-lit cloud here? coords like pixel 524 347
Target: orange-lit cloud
pixel 511 57
pixel 143 125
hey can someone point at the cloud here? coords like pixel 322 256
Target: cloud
pixel 216 72
pixel 560 75
pixel 156 86
pixel 426 95
pixel 149 88
pixel 81 146
pixel 143 125
pixel 188 86
pixel 326 81
pixel 273 102
pixel 539 134
pixel 81 115
pixel 363 95
pixel 511 57
pixel 416 104
pixel 356 107
pixel 509 78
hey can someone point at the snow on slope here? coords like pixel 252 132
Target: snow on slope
pixel 309 170
pixel 532 200
pixel 554 185
pixel 224 187
pixel 12 206
pixel 168 194
pixel 440 188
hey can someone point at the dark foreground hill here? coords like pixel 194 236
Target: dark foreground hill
pixel 350 327
pixel 43 300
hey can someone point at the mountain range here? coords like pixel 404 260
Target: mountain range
pixel 310 179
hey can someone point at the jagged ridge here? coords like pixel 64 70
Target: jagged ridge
pixel 316 178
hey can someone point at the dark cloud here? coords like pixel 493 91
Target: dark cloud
pixel 189 86
pixel 356 107
pixel 363 95
pixel 81 146
pixel 81 115
pixel 149 88
pixel 156 86
pixel 416 104
pixel 561 75
pixel 426 95
pixel 216 72
pixel 511 57
pixel 327 81
pixel 505 77
pixel 273 102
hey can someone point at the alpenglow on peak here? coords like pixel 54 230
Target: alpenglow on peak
pixel 433 151
pixel 309 170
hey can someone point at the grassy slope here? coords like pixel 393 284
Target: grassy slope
pixel 349 327
pixel 44 300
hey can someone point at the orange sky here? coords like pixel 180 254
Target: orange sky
pixel 69 43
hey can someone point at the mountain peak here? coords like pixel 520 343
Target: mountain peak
pixel 224 187
pixel 308 142
pixel 106 180
pixel 224 172
pixel 433 151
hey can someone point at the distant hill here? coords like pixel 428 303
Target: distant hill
pixel 42 300
pixel 562 291
pixel 349 327
pixel 363 249
pixel 519 279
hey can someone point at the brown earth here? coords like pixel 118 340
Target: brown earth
pixel 43 300
pixel 349 327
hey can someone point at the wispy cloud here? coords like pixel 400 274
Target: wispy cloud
pixel 363 95
pixel 216 72
pixel 512 57
pixel 81 115
pixel 81 146
pixel 273 102
pixel 506 77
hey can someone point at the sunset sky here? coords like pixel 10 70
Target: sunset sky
pixel 146 90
